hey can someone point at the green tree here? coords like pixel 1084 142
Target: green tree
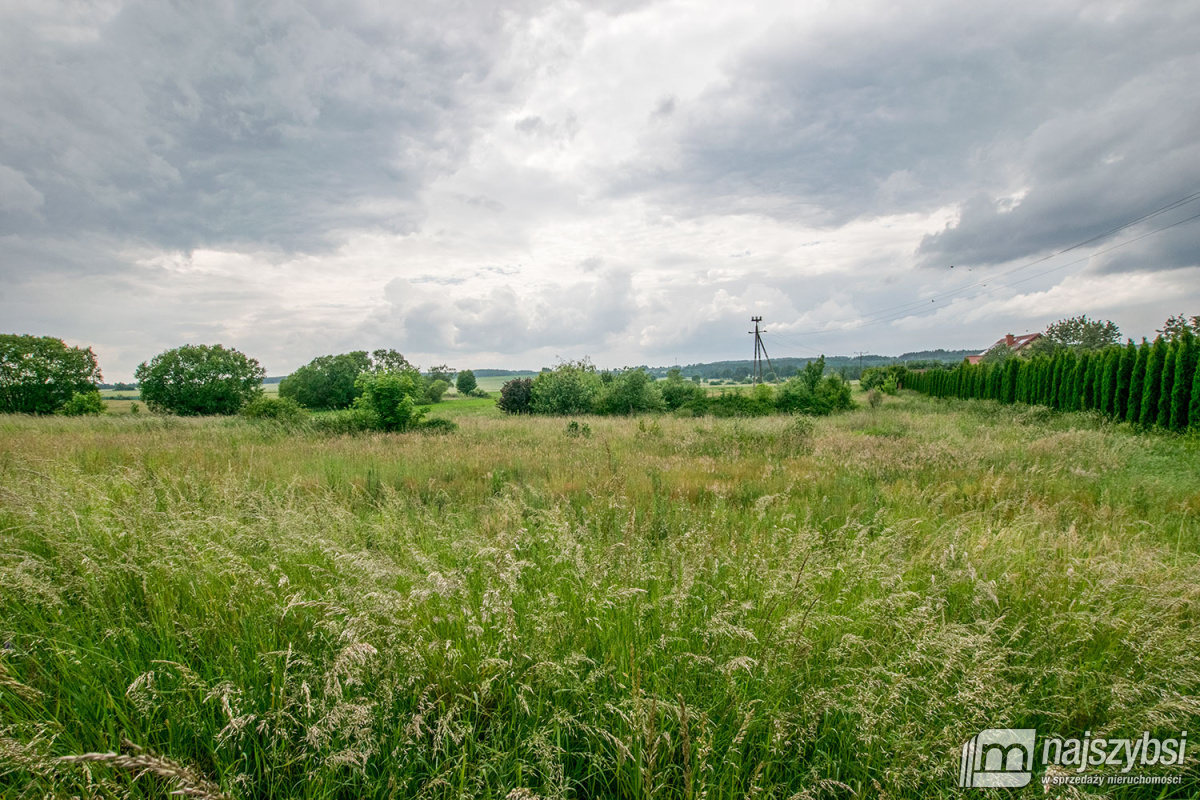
pixel 391 396
pixel 1077 333
pixel 1185 372
pixel 1176 325
pixel 388 360
pixel 1090 396
pixel 1194 406
pixel 1153 382
pixel 326 382
pixel 1110 367
pixel 40 374
pixel 199 379
pixel 1137 383
pixel 1124 376
pixel 466 383
pixel 1168 384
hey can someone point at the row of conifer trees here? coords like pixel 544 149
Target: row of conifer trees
pixel 1154 384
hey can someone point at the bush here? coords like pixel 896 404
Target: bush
pixel 199 379
pixel 677 392
pixel 40 374
pixel 280 409
pixel 570 388
pixel 434 391
pixel 480 393
pixel 437 425
pixel 884 377
pixel 390 396
pixel 737 403
pixel 629 392
pixel 346 421
pixel 575 430
pixel 516 396
pixel 83 403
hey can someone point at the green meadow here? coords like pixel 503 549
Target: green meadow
pixel 645 607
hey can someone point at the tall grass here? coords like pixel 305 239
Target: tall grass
pixel 669 608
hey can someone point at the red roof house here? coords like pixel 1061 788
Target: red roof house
pixel 1015 344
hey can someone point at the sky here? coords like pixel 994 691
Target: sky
pixel 507 185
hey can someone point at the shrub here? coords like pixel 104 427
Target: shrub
pixel 677 392
pixel 437 425
pixel 280 409
pixel 575 430
pixel 629 392
pixel 83 403
pixel 199 379
pixel 570 388
pixel 434 391
pixel 346 421
pixel 516 396
pixel 390 395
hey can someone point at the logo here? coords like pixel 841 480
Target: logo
pixel 998 757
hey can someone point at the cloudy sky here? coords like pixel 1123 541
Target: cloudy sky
pixel 503 185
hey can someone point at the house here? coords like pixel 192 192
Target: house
pixel 1015 343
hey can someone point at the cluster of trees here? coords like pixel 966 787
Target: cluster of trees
pixel 577 387
pixel 380 391
pixel 43 375
pixel 329 383
pixel 1154 384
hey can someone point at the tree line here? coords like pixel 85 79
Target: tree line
pixel 1151 384
pixel 577 387
pixel 377 391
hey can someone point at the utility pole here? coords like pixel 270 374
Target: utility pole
pixel 860 355
pixel 758 348
pixel 760 353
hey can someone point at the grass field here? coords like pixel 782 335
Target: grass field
pixel 663 608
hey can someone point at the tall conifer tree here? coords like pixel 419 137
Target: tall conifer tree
pixel 1152 385
pixel 1066 383
pixel 1194 406
pixel 1185 372
pixel 1112 369
pixel 1168 383
pixel 1124 374
pixel 1137 383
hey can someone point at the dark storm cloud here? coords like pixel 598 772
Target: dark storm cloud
pixel 219 123
pixel 1085 112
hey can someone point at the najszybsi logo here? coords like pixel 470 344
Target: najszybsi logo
pixel 998 757
pixel 1003 757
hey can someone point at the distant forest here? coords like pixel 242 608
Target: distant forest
pixel 849 367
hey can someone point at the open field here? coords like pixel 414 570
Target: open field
pixel 665 608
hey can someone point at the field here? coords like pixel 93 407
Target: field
pixel 654 607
